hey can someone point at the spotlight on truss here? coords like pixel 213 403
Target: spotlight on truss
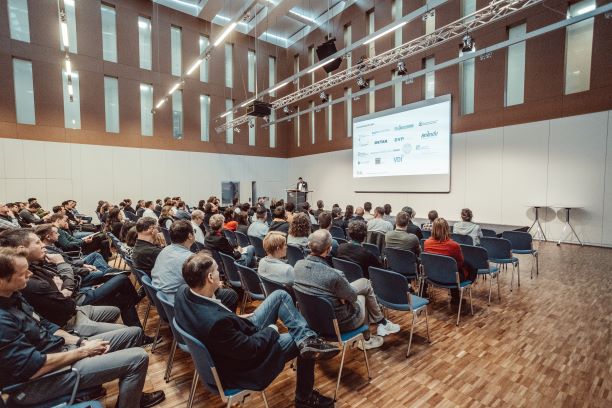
pixel 266 119
pixel 237 129
pixel 401 68
pixel 362 83
pixel 324 97
pixel 467 43
pixel 251 124
pixel 287 110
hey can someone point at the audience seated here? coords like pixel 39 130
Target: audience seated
pixel 411 227
pixel 243 222
pixel 325 222
pixel 259 227
pixel 359 212
pixel 146 248
pixel 319 210
pixel 88 244
pixel 354 251
pixel 140 208
pixel 128 206
pixel 229 223
pixel 367 207
pixel 272 266
pixel 337 218
pixel 305 208
pixel 279 222
pixel 299 229
pixel 7 219
pixel 378 223
pixel 130 240
pixel 29 216
pixel 431 216
pixel 217 241
pixel 181 211
pixel 248 351
pixel 388 216
pixel 197 218
pixel 467 227
pixel 401 238
pixel 149 210
pixel 114 222
pixel 354 303
pixel 289 209
pixel 166 218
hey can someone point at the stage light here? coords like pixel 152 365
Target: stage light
pixel 251 124
pixel 467 43
pixel 362 83
pixel 266 119
pixel 401 68
pixel 237 129
pixel 323 97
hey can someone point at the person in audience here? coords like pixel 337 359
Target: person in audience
pixel 128 206
pixel 388 216
pixel 88 244
pixel 33 346
pixel 273 266
pixel 166 218
pixel 216 240
pixel 289 210
pixel 319 210
pixel 40 211
pixel 441 243
pixel 248 351
pixel 467 227
pixel 411 227
pixel 103 212
pixel 114 222
pixel 78 216
pixel 146 248
pixel 367 207
pixel 7 219
pixel 378 223
pixel 197 218
pixel 279 222
pixel 299 229
pixel 209 210
pixel 431 216
pixel 149 210
pixel 166 275
pixel 158 206
pixel 400 238
pixel 354 250
pixel 127 225
pixel 325 222
pixel 28 214
pixel 229 223
pixel 359 212
pixel 243 222
pixel 305 208
pixel 130 241
pixel 259 228
pixel 354 303
pixel 337 218
pixel 181 211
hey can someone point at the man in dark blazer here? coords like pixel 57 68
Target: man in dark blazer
pixel 248 351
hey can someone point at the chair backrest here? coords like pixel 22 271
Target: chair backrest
pixel 231 237
pixel 243 240
pixel 497 248
pixel 115 241
pixel 376 238
pixel 337 232
pixel 319 314
pixel 314 227
pixel 352 271
pixel 168 306
pixel 218 260
pixel 270 286
pixel 294 254
pixel 202 360
pixel 250 280
pixel 475 256
pixel 258 245
pixel 166 235
pixel 391 288
pixel 440 269
pixel 341 241
pixel 151 292
pixel 372 248
pixel 229 267
pixel 519 240
pixel 402 261
pixel 462 239
pixel 488 232
pixel 426 234
pixel 422 242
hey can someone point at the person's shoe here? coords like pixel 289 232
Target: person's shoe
pixel 388 328
pixel 149 399
pixel 373 342
pixel 315 400
pixel 317 348
pixel 148 341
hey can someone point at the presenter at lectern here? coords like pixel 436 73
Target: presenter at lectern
pixel 303 187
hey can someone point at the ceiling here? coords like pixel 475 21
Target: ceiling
pixel 279 22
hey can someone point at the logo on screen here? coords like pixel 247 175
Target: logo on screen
pixel 429 134
pixel 431 122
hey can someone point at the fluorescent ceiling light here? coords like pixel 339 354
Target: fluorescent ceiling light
pixel 160 103
pixel 194 66
pixel 64 28
pixel 174 88
pixel 277 87
pixel 247 102
pixel 395 27
pixel 320 65
pixel 226 113
pixel 302 16
pixel 584 10
pixel 68 67
pixel 225 33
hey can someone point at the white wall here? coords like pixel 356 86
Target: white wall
pixel 53 172
pixel 498 173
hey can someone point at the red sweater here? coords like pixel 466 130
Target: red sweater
pixel 448 248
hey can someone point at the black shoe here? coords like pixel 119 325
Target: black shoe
pixel 316 348
pixel 148 340
pixel 150 399
pixel 315 400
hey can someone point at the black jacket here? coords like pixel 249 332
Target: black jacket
pixel 358 254
pixel 414 230
pixel 282 226
pixel 219 243
pixel 144 255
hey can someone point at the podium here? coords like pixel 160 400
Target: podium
pixel 297 197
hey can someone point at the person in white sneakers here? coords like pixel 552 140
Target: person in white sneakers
pixel 354 303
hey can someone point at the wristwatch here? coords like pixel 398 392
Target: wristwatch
pixel 80 341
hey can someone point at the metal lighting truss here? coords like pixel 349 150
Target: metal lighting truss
pixel 495 11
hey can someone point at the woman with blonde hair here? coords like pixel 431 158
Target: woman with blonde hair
pixel 166 218
pixel 272 265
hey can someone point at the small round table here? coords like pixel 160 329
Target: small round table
pixel 536 221
pixel 567 223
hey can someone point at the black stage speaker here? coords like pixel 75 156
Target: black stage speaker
pixel 325 50
pixel 259 108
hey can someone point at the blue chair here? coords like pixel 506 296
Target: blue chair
pixel 500 252
pixel 488 233
pixel 462 239
pixel 441 271
pixel 337 232
pixel 522 244
pixel 426 234
pixel 251 284
pixel 294 254
pixel 372 248
pixel 139 274
pixel 243 240
pixel 219 261
pixel 116 243
pixel 391 290
pixel 205 368
pixel 231 273
pixel 403 262
pixel 352 271
pixel 341 241
pixel 376 238
pixel 258 245
pixel 320 315
pixel 477 258
pixel 151 292
pixel 168 306
pixel 231 237
pixel 422 242
pixel 270 286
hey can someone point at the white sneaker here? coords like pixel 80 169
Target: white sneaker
pixel 374 342
pixel 389 328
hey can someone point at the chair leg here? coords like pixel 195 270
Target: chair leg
pixel 340 370
pixel 265 400
pixel 194 386
pixel 512 279
pixel 518 272
pixel 156 335
pixel 427 325
pixel 537 264
pixel 471 303
pixel 411 332
pixel 460 301
pixel 170 361
pixel 498 290
pixel 146 317
pixel 490 287
pixel 365 356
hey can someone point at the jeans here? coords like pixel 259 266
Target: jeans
pixel 81 234
pixel 279 305
pixel 97 260
pixel 248 256
pixel 124 360
pixel 93 320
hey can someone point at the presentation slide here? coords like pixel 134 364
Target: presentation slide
pixel 409 145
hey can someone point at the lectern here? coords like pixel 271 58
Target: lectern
pixel 297 197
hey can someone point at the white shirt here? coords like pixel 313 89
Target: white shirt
pixel 199 235
pixel 149 213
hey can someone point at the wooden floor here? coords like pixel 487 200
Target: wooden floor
pixel 546 344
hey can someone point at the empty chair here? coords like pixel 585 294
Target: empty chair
pixel 231 237
pixel 337 232
pixel 294 254
pixel 522 243
pixel 151 292
pixel 352 271
pixel 258 245
pixel 462 239
pixel 177 340
pixel 391 289
pixel 251 284
pixel 320 315
pixel 231 273
pixel 477 258
pixel 488 232
pixel 373 249
pixel 500 252
pixel 243 240
pixel 205 368
pixel 441 271
pixel 403 262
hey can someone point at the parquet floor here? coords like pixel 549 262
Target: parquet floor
pixel 546 344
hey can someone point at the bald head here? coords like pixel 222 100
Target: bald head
pixel 319 241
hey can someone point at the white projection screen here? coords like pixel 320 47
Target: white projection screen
pixel 404 150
